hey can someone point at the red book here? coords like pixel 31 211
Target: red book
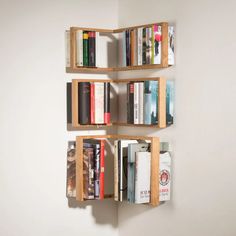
pixel 92 103
pixel 102 166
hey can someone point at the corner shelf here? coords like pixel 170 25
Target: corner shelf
pixel 155 150
pixel 161 102
pixel 80 69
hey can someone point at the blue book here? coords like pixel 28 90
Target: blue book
pixel 169 102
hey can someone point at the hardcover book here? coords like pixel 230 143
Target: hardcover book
pixel 85 49
pixel 102 169
pixel 91 48
pixel 99 102
pixel 157 44
pixel 169 102
pixel 116 170
pixel 71 170
pixel 136 103
pixel 79 48
pixel 144 48
pixel 147 103
pixel 107 113
pixel 130 103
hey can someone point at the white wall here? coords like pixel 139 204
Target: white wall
pixel 33 135
pixel 204 188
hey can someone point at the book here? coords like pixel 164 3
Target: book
pixel 169 102
pixel 144 47
pixel 68 102
pixel 139 45
pixel 130 103
pixel 141 94
pixel 85 49
pixel 92 104
pixel 99 102
pixel 171 46
pixel 157 44
pixel 148 45
pixel 132 149
pixel 88 171
pixel 107 112
pixel 98 51
pixel 142 177
pixel 132 46
pixel 91 48
pixel 102 169
pixel 84 103
pixel 71 170
pixel 79 48
pixel 128 59
pixel 154 102
pixel 147 103
pixel 136 103
pixel 116 176
pixel 67 36
pixel 122 167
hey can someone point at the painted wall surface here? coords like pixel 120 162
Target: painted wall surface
pixel 203 137
pixel 33 136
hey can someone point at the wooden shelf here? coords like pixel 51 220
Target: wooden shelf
pixel 161 102
pixel 80 69
pixel 155 150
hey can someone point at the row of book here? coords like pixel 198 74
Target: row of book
pixel 142 102
pixel 132 171
pixel 93 169
pixel 94 103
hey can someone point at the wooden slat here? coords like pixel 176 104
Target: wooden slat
pixel 72 49
pixel 95 80
pixel 75 104
pixel 155 153
pixel 135 79
pixel 141 67
pixel 162 103
pixel 79 169
pixel 93 29
pixel 135 125
pixel 164 45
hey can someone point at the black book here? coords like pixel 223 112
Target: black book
pixel 127 37
pixel 144 49
pixel 68 102
pixel 84 103
pixel 107 113
pixel 130 103
pixel 91 43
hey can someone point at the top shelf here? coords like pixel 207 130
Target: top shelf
pixel 73 65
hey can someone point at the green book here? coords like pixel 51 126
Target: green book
pixel 85 49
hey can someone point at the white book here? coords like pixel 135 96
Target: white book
pixel 79 48
pixel 140 46
pixel 171 46
pixel 67 37
pixel 99 102
pixel 141 107
pixel 142 177
pixel 97 50
pixel 136 103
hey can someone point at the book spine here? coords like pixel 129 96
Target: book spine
pixel 85 49
pixel 169 102
pixel 116 177
pixel 157 44
pixel 67 36
pixel 132 47
pixel 92 48
pixel 131 102
pixel 97 50
pixel 88 172
pixel 107 113
pixel 154 99
pixel 99 102
pixel 136 47
pixel 153 44
pixel 131 177
pixel 96 171
pixel 71 170
pixel 68 102
pixel 141 107
pixel 171 46
pixel 148 48
pixel 144 47
pixel 136 103
pixel 92 103
pixel 124 49
pixel 127 33
pixel 102 169
pixel 79 48
pixel 140 44
pixel 120 171
pixel 147 103
pixel 84 103
pixel 142 177
pixel 128 104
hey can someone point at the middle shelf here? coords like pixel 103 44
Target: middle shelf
pixel 139 102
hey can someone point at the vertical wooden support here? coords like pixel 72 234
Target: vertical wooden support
pixel 164 45
pixel 79 169
pixel 73 48
pixel 75 103
pixel 155 156
pixel 162 102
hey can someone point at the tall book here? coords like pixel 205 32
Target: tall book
pixel 99 102
pixel 130 103
pixel 116 175
pixel 98 51
pixel 144 48
pixel 88 171
pixel 141 99
pixel 142 177
pixel 68 102
pixel 154 102
pixel 107 113
pixel 139 45
pixel 128 56
pixel 91 48
pixel 169 102
pixel 133 46
pixel 67 36
pixel 123 50
pixel 79 48
pixel 136 103
pixel 71 170
pixel 132 149
pixel 85 49
pixel 171 45
pixel 157 38
pixel 84 103
pixel 147 103
pixel 92 103
pixel 148 45
pixel 102 169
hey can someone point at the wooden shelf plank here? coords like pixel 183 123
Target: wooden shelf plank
pixel 79 169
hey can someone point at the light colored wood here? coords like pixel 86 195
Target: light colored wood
pixel 135 79
pixel 135 125
pixel 95 80
pixel 79 169
pixel 164 45
pixel 155 156
pixel 75 104
pixel 162 103
pixel 93 29
pixel 72 49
